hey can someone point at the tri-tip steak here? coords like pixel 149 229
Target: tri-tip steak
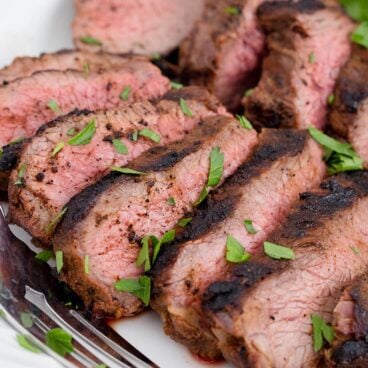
pixel 262 315
pixel 285 163
pixel 50 181
pixel 107 221
pixel 308 42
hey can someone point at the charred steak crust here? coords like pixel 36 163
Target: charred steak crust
pixel 350 354
pixel 303 6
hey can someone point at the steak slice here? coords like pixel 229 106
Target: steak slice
pixel 224 49
pixel 134 26
pixel 108 220
pixel 61 60
pixel 50 182
pixel 308 43
pixel 24 102
pixel 286 163
pixel 262 316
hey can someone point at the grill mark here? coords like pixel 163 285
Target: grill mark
pixel 301 6
pixel 10 155
pixel 351 354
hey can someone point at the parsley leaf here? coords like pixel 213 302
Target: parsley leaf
pixel 21 172
pixel 248 92
pixel 360 34
pixel 216 167
pixel 141 288
pixel 144 255
pixel 126 170
pixel 54 222
pixel 86 264
pixel 124 95
pixel 84 136
pixel 25 343
pixel 176 85
pixel 71 132
pixel 171 201
pixel 59 341
pixel 331 99
pixel 53 105
pixel 244 122
pixel 44 256
pixel 57 149
pixel 312 57
pixel 248 224
pixel 185 108
pixel 277 251
pixel 59 260
pixel 235 252
pixel 1 152
pixel 150 134
pixel 184 221
pixel 120 147
pixel 88 40
pixel 321 331
pixel 232 10
pixel 357 9
pixel 202 196
pixel 168 237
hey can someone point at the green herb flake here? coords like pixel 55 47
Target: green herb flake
pixel 126 170
pixel 124 95
pixel 44 256
pixel 156 56
pixel 135 136
pixel 184 221
pixel 248 224
pixel 21 172
pixel 277 251
pixel 150 134
pixel 185 108
pixel 86 68
pixel 312 58
pixel 26 319
pixel 59 260
pixel 54 106
pixel 331 99
pixel 100 366
pixel 144 255
pixel 232 10
pixel 360 34
pixel 244 122
pixel 86 264
pixel 59 341
pixel 84 136
pixel 216 167
pixel 57 149
pixel 25 343
pixel 120 147
pixel 71 132
pixel 248 92
pixel 321 331
pixel 355 250
pixel 171 201
pixel 176 85
pixel 16 141
pixel 141 288
pixel 88 40
pixel 357 9
pixel 168 237
pixel 235 252
pixel 54 222
pixel 202 196
pixel 1 152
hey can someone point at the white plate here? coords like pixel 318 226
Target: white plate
pixel 29 28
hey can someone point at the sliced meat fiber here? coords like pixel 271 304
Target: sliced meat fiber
pixel 224 49
pixel 107 221
pixel 262 315
pixel 285 163
pixel 24 102
pixel 308 43
pixel 50 182
pixel 134 26
pixel 61 60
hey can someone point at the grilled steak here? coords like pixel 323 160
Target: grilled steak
pixel 263 189
pixel 349 112
pixel 108 220
pixel 223 51
pixel 50 182
pixel 61 60
pixel 262 316
pixel 24 102
pixel 141 27
pixel 308 43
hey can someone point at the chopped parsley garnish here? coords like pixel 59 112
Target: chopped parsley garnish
pixel 232 10
pixel 84 136
pixel 176 85
pixel 331 99
pixel 53 105
pixel 59 341
pixel 277 251
pixel 150 134
pixel 88 40
pixel 126 170
pixel 171 201
pixel 312 57
pixel 16 141
pixel 168 237
pixel 21 172
pixel 86 264
pixel 248 92
pixel 124 95
pixel 26 319
pixel 244 122
pixel 360 34
pixel 184 221
pixel 135 136
pixel 156 56
pixel 25 343
pixel 235 252
pixel 57 149
pixel 59 260
pixel 338 156
pixel 45 255
pixel 120 147
pixel 54 222
pixel 185 108
pixel 355 250
pixel 86 68
pixel 71 132
pixel 1 152
pixel 248 224
pixel 144 255
pixel 141 288
pixel 202 196
pixel 321 331
pixel 357 9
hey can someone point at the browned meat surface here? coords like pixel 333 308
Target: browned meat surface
pixel 285 163
pixel 61 60
pixel 50 182
pixel 348 116
pixel 262 317
pixel 137 26
pixel 308 43
pixel 223 51
pixel 25 103
pixel 107 221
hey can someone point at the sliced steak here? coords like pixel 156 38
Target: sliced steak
pixel 348 116
pixel 308 43
pixel 61 60
pixel 286 163
pixel 137 26
pixel 50 182
pixel 262 316
pixel 108 220
pixel 24 102
pixel 224 49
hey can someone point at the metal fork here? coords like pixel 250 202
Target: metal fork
pixel 24 283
